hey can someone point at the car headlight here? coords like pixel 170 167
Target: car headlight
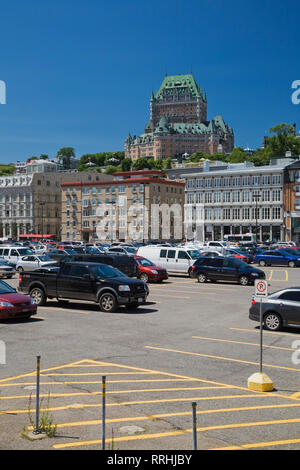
pixel 124 288
pixel 254 274
pixel 6 304
pixel 154 271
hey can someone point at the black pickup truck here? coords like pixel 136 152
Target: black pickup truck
pixel 92 282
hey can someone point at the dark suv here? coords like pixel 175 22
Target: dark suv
pixel 125 264
pixel 225 269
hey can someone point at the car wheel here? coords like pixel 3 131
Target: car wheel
pixel 262 263
pixel 292 264
pixel 272 321
pixel 244 280
pixel 201 278
pixel 108 302
pixel 20 269
pixel 144 277
pixel 38 296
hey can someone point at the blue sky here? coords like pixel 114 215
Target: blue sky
pixel 80 74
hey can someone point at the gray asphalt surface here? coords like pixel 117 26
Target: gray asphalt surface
pixel 191 342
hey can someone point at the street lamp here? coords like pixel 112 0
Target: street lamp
pixel 42 206
pixel 256 198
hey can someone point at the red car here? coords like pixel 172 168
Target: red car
pixel 148 270
pixel 14 305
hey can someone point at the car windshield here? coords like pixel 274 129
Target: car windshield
pixel 45 258
pixel 5 288
pixel 291 252
pixel 194 254
pixel 106 271
pixel 130 250
pixel 25 251
pixel 145 262
pixel 70 251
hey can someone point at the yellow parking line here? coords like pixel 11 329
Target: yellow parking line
pixel 141 402
pixel 30 374
pixel 257 445
pixel 265 332
pixel 112 392
pixel 181 432
pixel 241 342
pixel 230 359
pixel 97 382
pixel 271 274
pixel 169 415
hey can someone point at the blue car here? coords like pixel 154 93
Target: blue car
pixel 277 258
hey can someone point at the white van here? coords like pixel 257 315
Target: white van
pixel 173 259
pixel 13 253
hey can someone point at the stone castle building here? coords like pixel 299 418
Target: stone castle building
pixel 178 124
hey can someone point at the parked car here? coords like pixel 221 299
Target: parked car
pixel 277 258
pixel 32 262
pixel 149 271
pixel 13 253
pixel 126 264
pixel 122 250
pixel 58 255
pixel 212 254
pixel 85 281
pixel 172 259
pixel 6 270
pixel 14 305
pixel 280 309
pixel 225 269
pixel 243 256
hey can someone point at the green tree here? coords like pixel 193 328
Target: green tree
pixel 44 156
pixel 237 155
pixel 126 164
pixel 111 169
pixel 167 164
pixel 141 164
pixel 284 140
pixel 64 156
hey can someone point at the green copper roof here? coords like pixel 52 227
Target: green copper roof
pixel 216 125
pixel 179 83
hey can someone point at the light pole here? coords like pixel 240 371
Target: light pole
pixel 256 198
pixel 42 206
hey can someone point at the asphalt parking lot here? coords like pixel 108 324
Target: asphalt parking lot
pixel 191 343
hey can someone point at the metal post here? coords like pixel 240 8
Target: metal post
pixel 38 359
pixel 103 411
pixel 261 336
pixel 194 406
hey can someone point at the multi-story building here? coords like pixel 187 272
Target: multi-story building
pixel 237 200
pixel 178 124
pixel 292 202
pixel 134 205
pixel 30 203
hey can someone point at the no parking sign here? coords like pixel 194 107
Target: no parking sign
pixel 261 288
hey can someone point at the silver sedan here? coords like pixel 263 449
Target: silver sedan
pixel 32 262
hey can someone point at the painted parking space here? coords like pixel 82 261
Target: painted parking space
pixel 155 404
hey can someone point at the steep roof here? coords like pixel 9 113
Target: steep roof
pixel 176 82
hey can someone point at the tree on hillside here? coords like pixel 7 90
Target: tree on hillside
pixel 126 164
pixel 237 155
pixel 64 156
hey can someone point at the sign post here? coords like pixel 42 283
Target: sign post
pixel 260 382
pixel 261 291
